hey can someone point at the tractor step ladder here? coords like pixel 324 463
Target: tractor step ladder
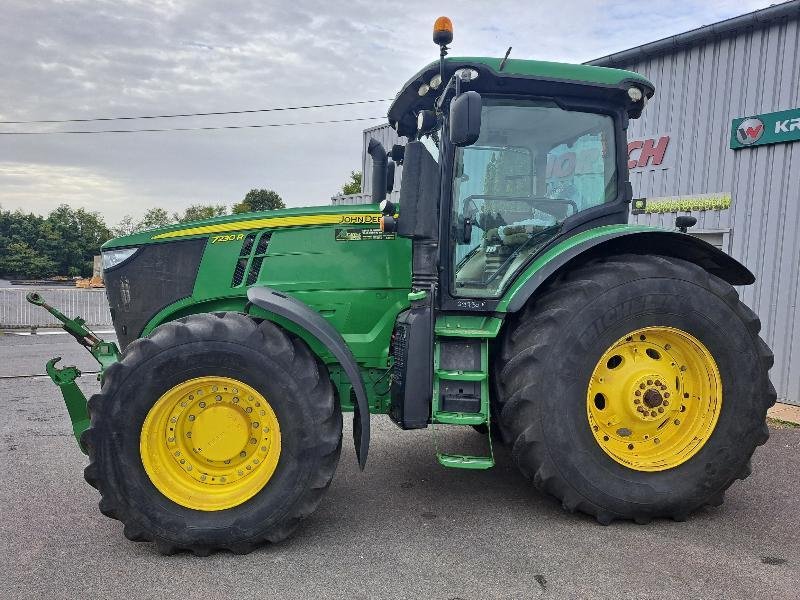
pixel 473 352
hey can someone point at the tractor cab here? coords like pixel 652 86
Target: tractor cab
pixel 517 154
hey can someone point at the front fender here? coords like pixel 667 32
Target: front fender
pixel 622 239
pixel 292 309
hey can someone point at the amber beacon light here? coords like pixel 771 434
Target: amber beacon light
pixel 442 31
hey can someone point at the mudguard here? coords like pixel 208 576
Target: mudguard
pixel 619 240
pixel 296 311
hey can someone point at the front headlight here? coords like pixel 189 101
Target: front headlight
pixel 111 258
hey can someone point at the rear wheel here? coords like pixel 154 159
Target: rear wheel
pixel 634 387
pixel 213 433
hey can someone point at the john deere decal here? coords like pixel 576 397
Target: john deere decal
pixel 361 235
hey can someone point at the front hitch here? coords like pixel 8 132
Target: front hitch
pixel 105 353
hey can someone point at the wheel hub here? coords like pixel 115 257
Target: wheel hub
pixel 654 398
pixel 210 443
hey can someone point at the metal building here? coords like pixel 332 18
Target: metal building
pixel 720 141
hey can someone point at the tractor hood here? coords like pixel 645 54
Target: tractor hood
pixel 231 224
pixel 324 255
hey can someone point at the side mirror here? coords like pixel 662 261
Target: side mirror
pixel 465 119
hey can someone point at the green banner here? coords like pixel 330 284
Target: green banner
pixel 769 128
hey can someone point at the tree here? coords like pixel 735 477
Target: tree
pixel 354 185
pixel 63 243
pixel 259 200
pixel 20 260
pixel 126 226
pixel 72 237
pixel 154 217
pixel 198 212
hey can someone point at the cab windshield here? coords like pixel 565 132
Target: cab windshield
pixel 534 165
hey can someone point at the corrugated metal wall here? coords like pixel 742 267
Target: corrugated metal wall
pixel 699 91
pixel 386 136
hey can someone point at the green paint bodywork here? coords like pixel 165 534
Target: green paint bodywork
pixel 541 69
pixel 553 253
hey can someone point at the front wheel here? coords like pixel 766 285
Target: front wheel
pixel 215 432
pixel 634 387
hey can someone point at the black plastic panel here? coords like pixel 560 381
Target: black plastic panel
pixel 411 375
pixel 460 355
pixel 153 278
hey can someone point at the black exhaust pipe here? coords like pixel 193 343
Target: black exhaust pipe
pixel 380 162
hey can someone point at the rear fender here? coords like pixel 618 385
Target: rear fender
pixel 623 240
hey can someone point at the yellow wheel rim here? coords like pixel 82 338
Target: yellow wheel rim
pixel 210 443
pixel 654 398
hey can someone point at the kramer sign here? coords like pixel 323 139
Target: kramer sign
pixel 769 128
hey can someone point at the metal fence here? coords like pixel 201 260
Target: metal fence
pixel 16 312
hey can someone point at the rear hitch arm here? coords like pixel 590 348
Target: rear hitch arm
pixel 105 353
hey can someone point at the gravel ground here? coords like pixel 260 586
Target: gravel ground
pixel 405 528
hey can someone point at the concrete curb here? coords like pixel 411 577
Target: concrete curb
pixel 785 412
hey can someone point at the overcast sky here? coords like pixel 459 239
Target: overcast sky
pixel 77 59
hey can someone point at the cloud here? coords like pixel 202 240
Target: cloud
pixel 79 58
pixel 39 188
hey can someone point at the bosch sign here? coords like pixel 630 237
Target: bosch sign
pixel 650 153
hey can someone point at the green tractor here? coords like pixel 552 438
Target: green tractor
pixel 505 292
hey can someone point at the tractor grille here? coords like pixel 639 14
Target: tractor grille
pixel 251 258
pixel 155 277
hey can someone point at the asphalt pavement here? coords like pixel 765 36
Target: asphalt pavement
pixel 404 528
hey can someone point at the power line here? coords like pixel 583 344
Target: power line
pixel 197 114
pixel 192 128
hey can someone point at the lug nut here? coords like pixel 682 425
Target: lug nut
pixel 666 402
pixel 658 383
pixel 661 409
pixel 637 401
pixel 652 413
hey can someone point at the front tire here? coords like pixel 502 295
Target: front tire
pixel 569 393
pixel 215 432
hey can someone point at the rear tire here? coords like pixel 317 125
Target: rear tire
pixel 276 366
pixel 548 359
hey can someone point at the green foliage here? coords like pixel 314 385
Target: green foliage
pixel 198 212
pixel 354 185
pixel 259 200
pixel 20 260
pixel 63 243
pixel 154 217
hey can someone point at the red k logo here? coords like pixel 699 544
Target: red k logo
pixel 749 131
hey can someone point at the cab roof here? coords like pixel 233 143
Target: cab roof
pixel 517 76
